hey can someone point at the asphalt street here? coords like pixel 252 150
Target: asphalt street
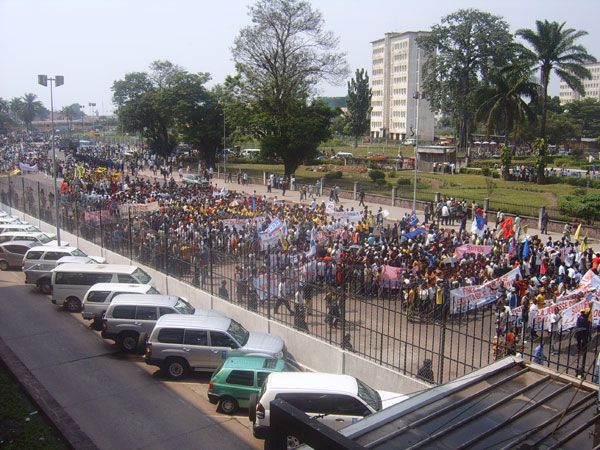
pixel 118 401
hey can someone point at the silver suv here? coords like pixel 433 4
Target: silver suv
pixel 130 318
pixel 13 252
pixel 180 344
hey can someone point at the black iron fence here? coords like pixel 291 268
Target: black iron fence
pixel 343 304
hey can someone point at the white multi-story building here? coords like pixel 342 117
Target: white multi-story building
pixel 591 86
pixel 397 64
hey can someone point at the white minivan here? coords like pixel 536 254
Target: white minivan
pixel 98 298
pixel 70 282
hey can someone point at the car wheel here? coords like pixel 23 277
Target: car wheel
pixel 128 342
pixel 176 368
pixel 227 405
pixel 252 407
pixel 3 265
pixel 45 287
pixel 293 442
pixel 73 304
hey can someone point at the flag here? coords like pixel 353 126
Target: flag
pixel 584 243
pixel 414 233
pixel 577 232
pixel 413 220
pixel 313 243
pixel 507 228
pixel 253 204
pixel 511 246
pixel 526 250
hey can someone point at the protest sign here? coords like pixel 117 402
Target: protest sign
pixel 137 209
pixel 472 297
pixel 459 252
pixel 99 217
pixel 391 277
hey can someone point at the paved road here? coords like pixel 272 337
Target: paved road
pixel 118 401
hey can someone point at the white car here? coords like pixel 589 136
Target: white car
pixel 335 400
pixel 33 236
pixel 191 178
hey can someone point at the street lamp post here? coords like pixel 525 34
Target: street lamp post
pixel 58 80
pixel 418 98
pixel 91 105
pixel 224 153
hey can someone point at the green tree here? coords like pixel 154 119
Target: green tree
pixel 70 113
pixel 461 51
pixel 506 160
pixel 561 128
pixel 5 119
pixel 30 109
pixel 280 58
pixel 359 105
pixel 541 148
pixel 553 49
pixel 586 114
pixel 502 103
pixel 16 108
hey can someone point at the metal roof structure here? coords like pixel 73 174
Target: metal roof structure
pixel 509 404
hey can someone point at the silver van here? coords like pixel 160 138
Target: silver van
pixel 130 318
pixel 179 344
pixel 34 236
pixel 70 282
pixel 98 297
pixel 13 252
pixel 18 226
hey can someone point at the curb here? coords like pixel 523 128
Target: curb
pixel 58 418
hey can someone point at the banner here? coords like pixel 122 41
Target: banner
pixel 330 207
pixel 472 297
pixel 348 216
pixel 459 252
pixel 324 235
pixel 28 168
pixel 263 284
pixel 239 224
pixel 391 277
pixel 97 217
pixel 137 209
pixel 569 315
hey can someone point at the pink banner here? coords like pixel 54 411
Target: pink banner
pixel 472 248
pixel 391 277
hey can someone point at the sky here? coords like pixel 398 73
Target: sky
pixel 95 42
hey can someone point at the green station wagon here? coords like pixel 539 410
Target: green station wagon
pixel 239 377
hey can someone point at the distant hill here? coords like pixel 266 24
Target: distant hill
pixel 335 102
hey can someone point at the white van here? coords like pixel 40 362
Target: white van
pixel 17 226
pixel 47 255
pixel 98 297
pixel 33 236
pixel 70 282
pixel 344 155
pixel 9 219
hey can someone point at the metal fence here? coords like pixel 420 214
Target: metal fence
pixel 342 304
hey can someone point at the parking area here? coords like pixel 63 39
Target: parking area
pixel 116 399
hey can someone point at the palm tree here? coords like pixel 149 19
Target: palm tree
pixel 31 107
pixel 16 108
pixel 502 103
pixel 69 113
pixel 554 50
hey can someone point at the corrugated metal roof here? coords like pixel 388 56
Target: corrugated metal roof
pixel 509 404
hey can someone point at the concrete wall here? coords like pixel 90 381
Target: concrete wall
pixel 309 352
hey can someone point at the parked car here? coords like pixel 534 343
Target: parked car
pixel 98 298
pixel 130 318
pixel 335 400
pixel 191 178
pixel 70 282
pixel 41 276
pixel 11 219
pixel 38 237
pixel 13 252
pixel 180 344
pixel 234 381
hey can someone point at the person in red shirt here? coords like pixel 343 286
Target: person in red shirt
pixel 596 262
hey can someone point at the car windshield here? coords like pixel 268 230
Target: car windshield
pixel 238 332
pixel 152 291
pixel 369 395
pixel 43 238
pixel 77 252
pixel 142 276
pixel 183 307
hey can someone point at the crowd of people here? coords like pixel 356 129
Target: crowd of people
pixel 291 253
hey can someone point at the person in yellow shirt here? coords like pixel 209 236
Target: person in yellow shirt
pixel 540 299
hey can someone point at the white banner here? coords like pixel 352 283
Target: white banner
pixel 137 209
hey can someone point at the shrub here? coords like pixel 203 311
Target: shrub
pixel 375 175
pixel 485 172
pixel 334 175
pixel 403 182
pixel 585 207
pixel 380 182
pixel 392 174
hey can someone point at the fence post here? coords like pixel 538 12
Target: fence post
pixel 130 234
pixel 321 187
pixel 39 208
pixel 268 282
pixel 101 232
pixel 486 204
pixel 540 215
pixel 442 349
pixel 394 196
pixel 354 192
pixel 343 302
pixel 438 196
pixel 264 178
pixel 210 260
pixel 23 195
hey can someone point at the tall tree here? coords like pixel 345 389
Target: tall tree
pixel 461 51
pixel 502 103
pixel 280 59
pixel 586 113
pixel 31 108
pixel 553 49
pixel 359 105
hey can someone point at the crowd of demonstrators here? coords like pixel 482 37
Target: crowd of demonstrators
pixel 316 247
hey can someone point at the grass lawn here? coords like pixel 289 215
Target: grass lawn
pixel 21 426
pixel 509 196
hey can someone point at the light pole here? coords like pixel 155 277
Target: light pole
pixel 224 153
pixel 418 98
pixel 58 80
pixel 91 105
